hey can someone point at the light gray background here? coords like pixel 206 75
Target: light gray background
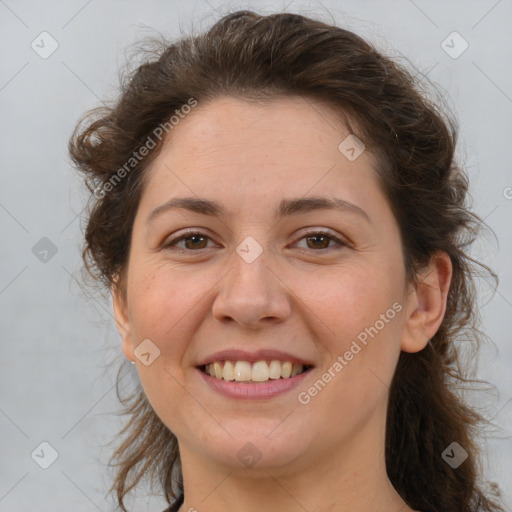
pixel 60 349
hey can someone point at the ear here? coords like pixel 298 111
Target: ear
pixel 426 303
pixel 122 320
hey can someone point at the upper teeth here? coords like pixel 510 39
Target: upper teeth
pixel 259 372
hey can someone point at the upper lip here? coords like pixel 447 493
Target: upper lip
pixel 252 357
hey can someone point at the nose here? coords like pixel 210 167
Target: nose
pixel 252 294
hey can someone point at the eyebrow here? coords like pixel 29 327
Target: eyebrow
pixel 287 207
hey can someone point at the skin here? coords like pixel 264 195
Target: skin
pixel 310 298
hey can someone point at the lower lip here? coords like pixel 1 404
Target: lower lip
pixel 261 391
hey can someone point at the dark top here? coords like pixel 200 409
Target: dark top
pixel 175 506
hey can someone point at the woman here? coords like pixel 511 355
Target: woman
pixel 278 213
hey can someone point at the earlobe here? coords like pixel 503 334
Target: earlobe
pixel 122 321
pixel 427 303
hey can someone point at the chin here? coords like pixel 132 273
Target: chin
pixel 255 445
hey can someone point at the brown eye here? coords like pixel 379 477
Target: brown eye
pixel 191 241
pixel 320 240
pixel 195 242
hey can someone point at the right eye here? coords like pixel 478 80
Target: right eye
pixel 193 240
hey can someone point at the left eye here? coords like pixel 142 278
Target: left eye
pixel 321 240
pixel 196 240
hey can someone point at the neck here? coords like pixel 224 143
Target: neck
pixel 348 478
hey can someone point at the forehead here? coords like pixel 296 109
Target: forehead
pixel 286 125
pixel 246 151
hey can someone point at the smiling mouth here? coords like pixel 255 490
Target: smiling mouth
pixel 259 371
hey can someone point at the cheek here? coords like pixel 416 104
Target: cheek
pixel 169 305
pixel 162 298
pixel 355 315
pixel 166 305
pixel 348 298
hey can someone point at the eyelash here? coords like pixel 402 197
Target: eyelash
pixel 189 234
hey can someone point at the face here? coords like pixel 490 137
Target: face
pixel 292 255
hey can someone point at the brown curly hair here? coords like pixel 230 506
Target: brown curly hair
pixel 256 57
